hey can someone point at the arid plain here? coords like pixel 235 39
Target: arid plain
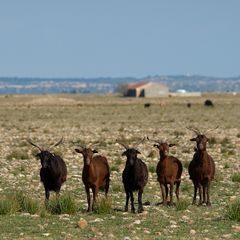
pixel 100 122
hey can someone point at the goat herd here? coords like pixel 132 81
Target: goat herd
pixel 96 172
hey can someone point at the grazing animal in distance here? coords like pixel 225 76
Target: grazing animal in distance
pixel 201 169
pixel 53 172
pixel 95 174
pixel 208 103
pixel 189 105
pixel 169 170
pixel 134 177
pixel 147 105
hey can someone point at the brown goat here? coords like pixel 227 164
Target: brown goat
pixel 201 169
pixel 169 171
pixel 95 174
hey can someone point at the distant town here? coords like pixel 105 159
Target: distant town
pixel 187 83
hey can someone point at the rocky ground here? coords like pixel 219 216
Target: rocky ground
pixel 101 122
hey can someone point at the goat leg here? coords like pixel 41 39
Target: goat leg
pixel 163 194
pixel 208 196
pixel 195 194
pixel 127 200
pixel 171 194
pixel 95 193
pixel 132 202
pixel 88 198
pixel 177 190
pixel 200 195
pixel 140 206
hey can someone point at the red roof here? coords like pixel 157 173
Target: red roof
pixel 136 85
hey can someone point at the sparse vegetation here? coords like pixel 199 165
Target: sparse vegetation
pixel 233 211
pixel 236 177
pixel 46 118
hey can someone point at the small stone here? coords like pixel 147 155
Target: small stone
pixel 227 236
pixel 192 232
pixel 46 234
pixel 82 223
pixel 236 228
pixel 137 222
pixel 232 198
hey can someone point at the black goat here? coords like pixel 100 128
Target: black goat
pixel 53 172
pixel 201 169
pixel 134 177
pixel 208 103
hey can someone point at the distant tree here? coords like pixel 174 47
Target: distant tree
pixel 121 88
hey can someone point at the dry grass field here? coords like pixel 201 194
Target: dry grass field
pixel 101 121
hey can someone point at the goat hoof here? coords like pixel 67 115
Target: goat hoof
pixel 208 204
pixel 133 210
pixel 140 210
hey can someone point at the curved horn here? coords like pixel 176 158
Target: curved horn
pixel 56 144
pixel 30 141
pixel 156 141
pixel 197 131
pixel 211 129
pixel 124 145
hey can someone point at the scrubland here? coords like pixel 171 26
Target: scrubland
pixel 101 122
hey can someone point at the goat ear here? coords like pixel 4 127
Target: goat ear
pixel 78 150
pixel 95 151
pixel 193 139
pixel 171 145
pixel 124 153
pixel 156 145
pixel 138 152
pixel 37 156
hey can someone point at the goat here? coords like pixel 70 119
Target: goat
pixel 201 169
pixel 147 105
pixel 169 170
pixel 134 177
pixel 95 174
pixel 53 172
pixel 208 103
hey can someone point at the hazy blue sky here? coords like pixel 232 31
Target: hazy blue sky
pixel 77 38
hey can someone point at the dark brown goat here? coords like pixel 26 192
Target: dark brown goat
pixel 134 177
pixel 53 172
pixel 201 169
pixel 169 171
pixel 95 174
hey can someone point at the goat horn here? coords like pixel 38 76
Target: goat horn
pixel 156 141
pixel 124 145
pixel 211 129
pixel 33 144
pixel 56 144
pixel 194 130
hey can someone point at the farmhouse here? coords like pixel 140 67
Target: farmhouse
pixel 147 89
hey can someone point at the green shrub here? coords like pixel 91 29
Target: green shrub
pixel 186 164
pixel 63 205
pixel 103 206
pixel 236 177
pixel 152 168
pixel 114 168
pixel 182 205
pixel 8 206
pixel 26 204
pixel 233 211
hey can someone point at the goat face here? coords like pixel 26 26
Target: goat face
pixel 45 158
pixel 163 148
pixel 201 141
pixel 131 155
pixel 87 154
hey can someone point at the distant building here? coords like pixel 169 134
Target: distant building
pixel 147 89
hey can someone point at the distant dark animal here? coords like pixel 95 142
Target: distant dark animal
pixel 201 169
pixel 208 103
pixel 189 105
pixel 147 105
pixel 169 170
pixel 53 172
pixel 134 177
pixel 95 174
